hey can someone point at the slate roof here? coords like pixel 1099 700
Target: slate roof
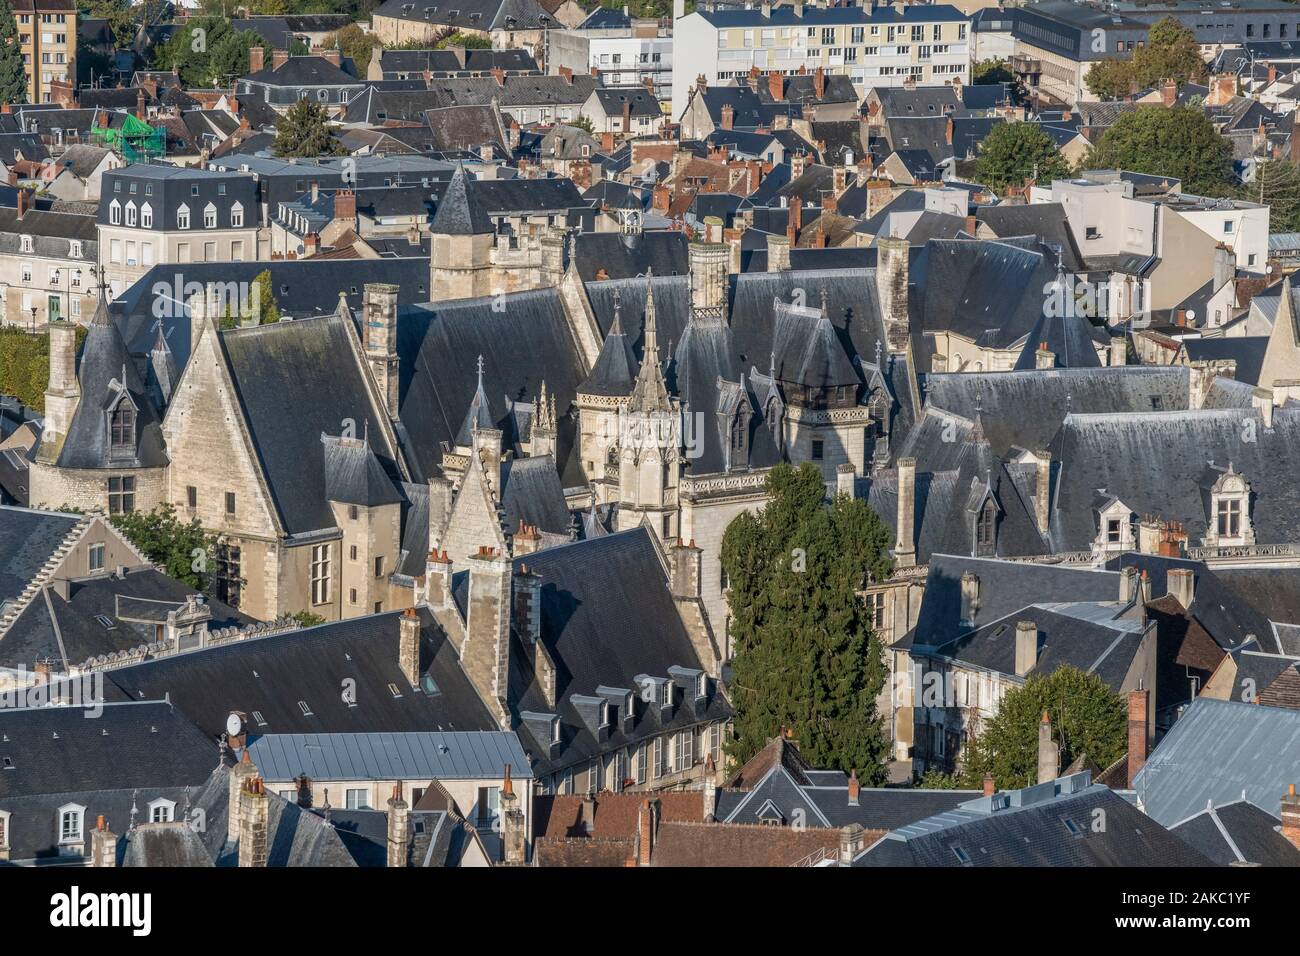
pixel 27 540
pixel 1221 751
pixel 1046 220
pixel 531 492
pixel 353 474
pixel 471 14
pixel 1235 833
pixel 459 755
pixel 271 675
pixel 295 382
pixel 437 838
pixel 1048 825
pixel 606 617
pixel 609 815
pixel 624 257
pixel 460 212
pixel 723 844
pixel 1246 351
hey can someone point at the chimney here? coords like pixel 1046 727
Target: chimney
pixel 24 201
pixel 819 83
pixel 687 566
pixel 485 656
pixel 437 566
pixel 891 290
pixel 379 307
pixel 1043 491
pixel 310 245
pixel 399 828
pixel 778 253
pixel 1049 754
pixel 240 774
pixel 254 822
pixel 972 224
pixel 947 131
pixel 408 646
pixel 1128 578
pixel 64 391
pixel 1168 92
pixel 728 116
pixel 846 480
pixel 627 117
pixel 528 605
pixel 513 835
pixel 1291 816
pixel 647 827
pixel 798 162
pixel 989 787
pixel 1138 732
pixel 302 785
pixel 1119 350
pixel 103 844
pixel 607 142
pixel 278 59
pixel 499 75
pixel 333 57
pixel 1026 647
pixel 855 788
pixel 970 598
pixel 853 839
pixel 345 206
pixel 776 85
pixel 140 100
pixel 1044 357
pixel 256 59
pixel 1182 586
pixel 905 546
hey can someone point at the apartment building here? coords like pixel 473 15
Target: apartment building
pixel 873 45
pixel 627 50
pixel 47 32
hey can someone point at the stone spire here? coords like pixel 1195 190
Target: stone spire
pixel 478 416
pixel 650 394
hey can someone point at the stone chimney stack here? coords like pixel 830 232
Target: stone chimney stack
pixel 254 823
pixel 905 547
pixel 528 605
pixel 399 828
pixel 708 265
pixel 1043 491
pixel 485 656
pixel 437 580
pixel 279 58
pixel 1044 357
pixel 513 827
pixel 970 598
pixel 64 392
pixel 852 840
pixel 778 253
pixel 891 290
pixel 1138 731
pixel 1119 350
pixel 379 306
pixel 408 646
pixel 1026 647
pixel 1291 816
pixel 647 827
pixel 846 479
pixel 1128 578
pixel 1049 754
pixel 103 845
pixel 240 774
pixel 1182 586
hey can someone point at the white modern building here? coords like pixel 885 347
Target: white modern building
pixel 626 50
pixel 874 45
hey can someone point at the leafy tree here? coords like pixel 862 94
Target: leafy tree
pixel 267 308
pixel 1277 184
pixel 583 123
pixel 356 44
pixel 207 51
pixel 304 130
pixel 1171 53
pixel 470 41
pixel 183 548
pixel 992 71
pixel 308 619
pixel 1179 142
pixel 13 79
pixel 1087 718
pixel 806 657
pixel 1014 152
pixel 938 780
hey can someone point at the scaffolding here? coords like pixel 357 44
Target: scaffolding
pixel 135 140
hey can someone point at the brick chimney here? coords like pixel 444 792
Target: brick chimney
pixel 345 205
pixel 310 244
pixel 334 57
pixel 728 116
pixel 499 75
pixel 1138 701
pixel 24 202
pixel 141 98
pixel 103 844
pixel 647 827
pixel 1291 816
pixel 513 828
pixel 1168 92
pixel 661 198
pixel 279 58
pixel 256 59
pixel 776 85
pixel 947 131
pixel 567 73
pixel 855 788
pixel 399 828
pixel 819 83
pixel 989 787
pixel 607 142
pixel 627 116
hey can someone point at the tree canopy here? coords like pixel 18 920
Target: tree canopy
pixel 1014 152
pixel 304 130
pixel 1087 718
pixel 1277 185
pixel 183 548
pixel 1171 53
pixel 208 52
pixel 1180 142
pixel 13 78
pixel 805 655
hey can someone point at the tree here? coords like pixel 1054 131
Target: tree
pixel 1277 185
pixel 25 364
pixel 304 130
pixel 1014 152
pixel 183 549
pixel 470 41
pixel 1088 718
pixel 583 123
pixel 307 618
pixel 265 310
pixel 13 79
pixel 806 657
pixel 1171 53
pixel 355 43
pixel 1180 142
pixel 207 51
pixel 991 71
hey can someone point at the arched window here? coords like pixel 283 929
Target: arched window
pixel 122 429
pixel 115 213
pixel 130 214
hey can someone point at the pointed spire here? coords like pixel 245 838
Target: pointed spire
pixel 651 348
pixel 617 327
pixel 977 432
pixel 651 390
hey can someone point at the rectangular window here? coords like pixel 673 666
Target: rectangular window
pixel 1229 518
pixel 379 566
pixel 192 496
pixel 1112 531
pixel 228 577
pixel 97 556
pixel 641 763
pixel 818 449
pixel 685 750
pixel 230 502
pixel 320 574
pixel 121 495
pixel 358 799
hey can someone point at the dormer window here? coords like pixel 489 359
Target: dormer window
pixel 237 215
pixel 115 213
pixel 1229 518
pixel 122 430
pixel 209 216
pixel 985 528
pixel 182 216
pixel 146 216
pixel 130 214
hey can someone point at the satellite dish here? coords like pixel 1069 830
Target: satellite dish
pixel 234 725
pixel 1191 314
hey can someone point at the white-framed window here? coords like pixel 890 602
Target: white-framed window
pixel 4 829
pixel 237 215
pixel 72 818
pixel 358 799
pixel 146 216
pixel 320 574
pixel 182 216
pixel 162 810
pixel 26 243
pixel 115 213
pixel 74 249
pixel 209 216
pixel 685 750
pixel 640 770
pixel 26 271
pixel 130 214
